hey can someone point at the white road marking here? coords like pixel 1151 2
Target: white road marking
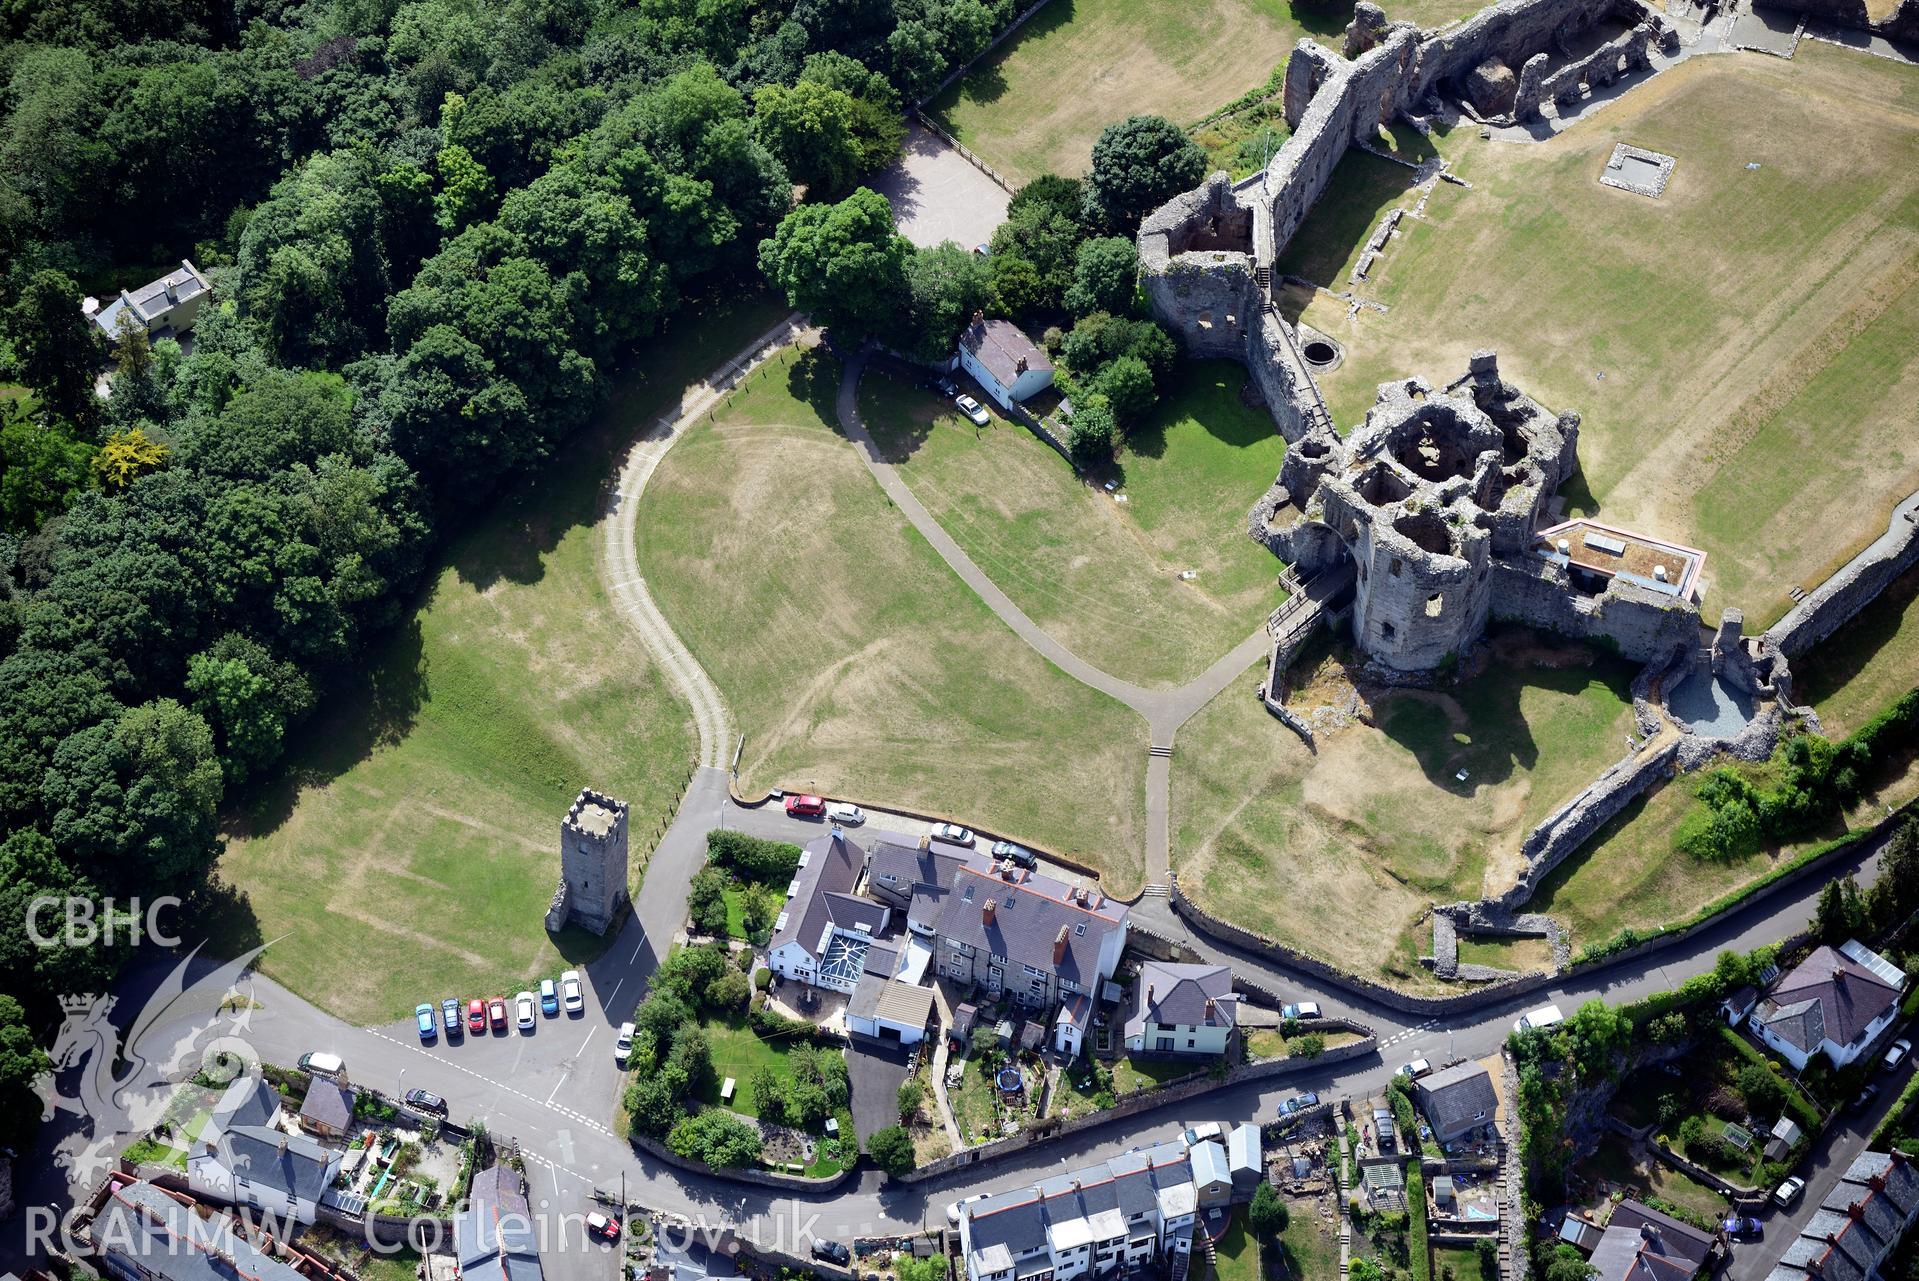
pixel 569 1113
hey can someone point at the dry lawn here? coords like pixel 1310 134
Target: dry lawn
pixel 854 660
pixel 1337 853
pixel 1866 664
pixel 1100 576
pixel 1754 327
pixel 412 852
pixel 1039 102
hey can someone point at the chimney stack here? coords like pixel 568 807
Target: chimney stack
pixel 1212 1008
pixel 986 911
pixel 1059 946
pixel 1149 996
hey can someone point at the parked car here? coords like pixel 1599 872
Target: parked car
pixel 845 814
pixel 972 409
pixel 549 997
pixel 798 806
pixel 1544 1016
pixel 983 250
pixel 321 1063
pixel 423 1017
pixel 832 1252
pixel 623 1044
pixel 572 996
pixel 450 1016
pixel 426 1101
pixel 476 1015
pixel 946 385
pixel 1416 1069
pixel 1866 1098
pixel 1302 1010
pixel 952 832
pixel 1015 851
pixel 1742 1225
pixel 1786 1193
pixel 953 1210
pixel 524 1012
pixel 1896 1054
pixel 496 1010
pixel 1299 1103
pixel 603 1226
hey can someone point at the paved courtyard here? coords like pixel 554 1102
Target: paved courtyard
pixel 938 194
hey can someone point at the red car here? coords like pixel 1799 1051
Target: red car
pixel 805 806
pixel 476 1015
pixel 497 1009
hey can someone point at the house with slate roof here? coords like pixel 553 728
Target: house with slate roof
pixel 163 308
pixel 1014 932
pixel 823 933
pixel 1835 1003
pixel 327 1109
pixel 1004 361
pixel 280 1174
pixel 1858 1224
pixel 143 1233
pixel 1641 1244
pixel 1182 1010
pixel 1458 1100
pixel 1133 1211
pixel 493 1237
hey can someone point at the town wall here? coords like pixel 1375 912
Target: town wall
pixel 1901 24
pixel 1830 605
pixel 1640 624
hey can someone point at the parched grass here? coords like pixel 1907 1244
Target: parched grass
pixel 853 658
pixel 1267 1043
pixel 1614 1163
pixel 411 854
pixel 1859 670
pixel 1336 853
pixel 1307 1249
pixel 1131 1074
pixel 1794 305
pixel 1091 571
pixel 1629 875
pixel 1506 954
pixel 1037 105
pixel 1328 244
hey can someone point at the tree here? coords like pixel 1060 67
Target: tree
pixel 945 285
pixel 1105 276
pixel 1894 895
pixel 653 1102
pixel 1139 164
pixel 720 1139
pixel 1366 1269
pixel 238 702
pixel 1487 1248
pixel 1568 1264
pixel 984 1041
pixel 1267 1215
pixel 1128 386
pixel 878 126
pixel 1763 1092
pixel 892 1150
pixel 729 992
pixel 1839 915
pixel 55 346
pixel 812 129
pixel 126 456
pixel 692 1058
pixel 21 1064
pixel 753 858
pixel 758 904
pixel 1017 287
pixel 30 868
pixel 842 263
pixel 768 1092
pixel 706 902
pixel 911 1096
pixel 1093 432
pixel 42 470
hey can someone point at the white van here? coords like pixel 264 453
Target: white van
pixel 322 1064
pixel 1544 1016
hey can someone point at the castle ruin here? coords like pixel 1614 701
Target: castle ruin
pixel 592 890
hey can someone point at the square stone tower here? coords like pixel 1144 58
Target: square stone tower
pixel 592 890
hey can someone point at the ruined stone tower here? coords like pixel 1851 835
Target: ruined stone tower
pixel 592 890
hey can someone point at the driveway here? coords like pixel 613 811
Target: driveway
pixel 875 1070
pixel 938 194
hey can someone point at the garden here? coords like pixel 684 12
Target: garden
pixel 740 891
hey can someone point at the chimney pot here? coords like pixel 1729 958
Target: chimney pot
pixel 1059 946
pixel 986 911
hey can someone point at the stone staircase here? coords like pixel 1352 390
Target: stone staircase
pixel 1164 751
pixel 1157 891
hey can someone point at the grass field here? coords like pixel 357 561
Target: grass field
pixel 1103 577
pixel 1506 954
pixel 1308 1248
pixel 1336 853
pixel 1237 1254
pixel 412 851
pixel 854 660
pixel 1038 103
pixel 1613 1163
pixel 1865 665
pixel 738 1052
pixel 1734 320
pixel 1463 1262
pixel 1629 875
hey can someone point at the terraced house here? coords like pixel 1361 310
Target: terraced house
pixel 1012 931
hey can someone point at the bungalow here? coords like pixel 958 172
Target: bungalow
pixel 1834 1003
pixel 1182 1010
pixel 1004 361
pixel 822 934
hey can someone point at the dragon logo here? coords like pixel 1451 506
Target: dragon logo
pixel 123 1083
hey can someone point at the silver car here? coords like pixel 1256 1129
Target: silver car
pixel 972 409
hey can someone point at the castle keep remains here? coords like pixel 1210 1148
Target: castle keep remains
pixel 592 889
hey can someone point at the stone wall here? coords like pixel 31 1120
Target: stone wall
pixel 1572 824
pixel 1901 24
pixel 1641 624
pixel 1830 605
pixel 1179 1091
pixel 759 1178
pixel 1622 55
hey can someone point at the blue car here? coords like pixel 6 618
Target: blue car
pixel 549 998
pixel 423 1015
pixel 450 1016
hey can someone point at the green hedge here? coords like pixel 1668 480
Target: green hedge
pixel 1796 1102
pixel 1422 1254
